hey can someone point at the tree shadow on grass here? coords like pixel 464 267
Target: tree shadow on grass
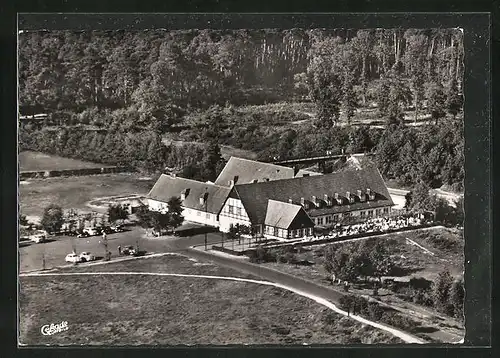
pixel 404 271
pixel 424 329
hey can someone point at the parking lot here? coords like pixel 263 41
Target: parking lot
pixel 56 248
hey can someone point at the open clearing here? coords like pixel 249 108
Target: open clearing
pixel 134 310
pixel 36 161
pixel 76 192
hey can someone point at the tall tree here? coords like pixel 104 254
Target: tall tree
pixel 436 101
pixel 175 209
pixel 454 101
pixel 52 219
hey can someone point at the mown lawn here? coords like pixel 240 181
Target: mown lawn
pixel 35 161
pixel 135 310
pixel 76 192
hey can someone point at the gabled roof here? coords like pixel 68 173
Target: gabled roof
pixel 248 170
pixel 286 216
pixel 304 172
pixel 255 196
pixel 168 186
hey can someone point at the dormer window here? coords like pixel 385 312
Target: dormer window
pixel 370 193
pixel 350 197
pixel 338 199
pixel 315 201
pixel 328 200
pixel 361 196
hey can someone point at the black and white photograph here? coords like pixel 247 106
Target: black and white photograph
pixel 271 186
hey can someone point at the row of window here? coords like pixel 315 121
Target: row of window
pixel 198 213
pixel 335 218
pixel 234 210
pixel 274 231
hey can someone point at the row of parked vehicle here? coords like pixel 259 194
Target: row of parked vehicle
pixel 95 231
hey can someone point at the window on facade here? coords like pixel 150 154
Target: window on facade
pixel 335 217
pixel 362 214
pixel 231 209
pixel 370 212
pixel 378 211
pixel 386 210
pixel 238 211
pixel 208 216
pixel 275 231
pixel 198 213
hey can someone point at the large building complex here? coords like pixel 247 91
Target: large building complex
pixel 274 202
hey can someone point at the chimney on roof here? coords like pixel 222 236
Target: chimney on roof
pixel 235 179
pixel 315 201
pixel 203 198
pixel 231 183
pixel 172 175
pixel 361 195
pixel 255 181
pixel 302 201
pixel 184 194
pixel 266 179
pixel 349 197
pixel 290 201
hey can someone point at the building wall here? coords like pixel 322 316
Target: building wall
pixel 326 220
pixel 271 232
pixel 234 213
pixel 196 216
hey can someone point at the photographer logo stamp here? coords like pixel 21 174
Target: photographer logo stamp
pixel 50 329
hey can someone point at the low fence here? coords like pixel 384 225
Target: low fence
pixel 229 251
pixel 72 172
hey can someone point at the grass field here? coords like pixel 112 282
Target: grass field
pixel 134 310
pixel 36 161
pixel 76 192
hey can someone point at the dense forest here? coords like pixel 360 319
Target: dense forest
pixel 111 96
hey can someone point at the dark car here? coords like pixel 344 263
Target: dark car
pixel 107 230
pixel 117 228
pixel 82 233
pixel 129 250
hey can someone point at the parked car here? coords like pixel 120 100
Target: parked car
pixel 86 256
pixel 73 258
pixel 117 228
pixel 162 232
pixel 91 231
pixel 82 233
pixel 107 230
pixel 38 237
pixel 129 250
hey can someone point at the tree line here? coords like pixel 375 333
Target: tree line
pixel 161 73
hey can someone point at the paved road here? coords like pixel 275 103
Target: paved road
pixel 30 256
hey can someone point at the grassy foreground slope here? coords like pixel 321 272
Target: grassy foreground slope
pixel 134 310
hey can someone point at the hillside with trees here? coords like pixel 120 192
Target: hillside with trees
pixel 113 96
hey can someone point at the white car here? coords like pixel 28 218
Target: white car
pixel 86 256
pixel 38 237
pixel 91 231
pixel 72 258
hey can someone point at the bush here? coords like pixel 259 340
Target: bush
pixel 374 311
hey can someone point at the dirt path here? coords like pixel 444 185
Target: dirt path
pixel 400 334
